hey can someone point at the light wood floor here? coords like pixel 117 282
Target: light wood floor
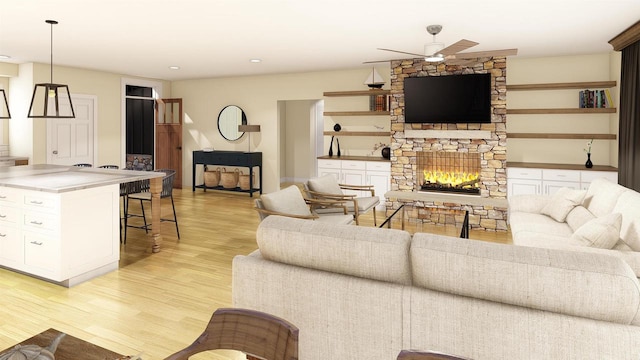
pixel 155 303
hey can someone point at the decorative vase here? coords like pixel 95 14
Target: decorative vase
pixel 331 148
pixel 386 152
pixel 588 164
pixel 338 142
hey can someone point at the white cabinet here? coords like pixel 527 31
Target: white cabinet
pixel 64 237
pixel 354 172
pixel 521 181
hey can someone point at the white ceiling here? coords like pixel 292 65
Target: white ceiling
pixel 215 38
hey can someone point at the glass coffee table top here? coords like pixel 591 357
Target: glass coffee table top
pixel 457 218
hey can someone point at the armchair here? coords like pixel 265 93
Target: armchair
pixel 327 188
pixel 290 203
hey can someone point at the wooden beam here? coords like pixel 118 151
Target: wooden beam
pixel 626 38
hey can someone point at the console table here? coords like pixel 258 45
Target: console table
pixel 228 158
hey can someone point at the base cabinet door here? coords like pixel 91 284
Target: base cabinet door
pixel 524 187
pixel 550 187
pixel 42 255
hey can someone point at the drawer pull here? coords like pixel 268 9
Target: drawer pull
pixel 34 222
pixel 36 202
pixel 561 175
pixel 3 196
pixel 2 216
pixel 3 235
pixel 39 243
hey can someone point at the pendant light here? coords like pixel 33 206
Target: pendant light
pixel 4 106
pixel 51 100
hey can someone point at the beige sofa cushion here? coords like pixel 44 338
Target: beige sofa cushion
pixel 287 201
pixel 576 283
pixel 602 232
pixel 378 254
pixel 602 196
pixel 538 223
pixel 629 206
pixel 578 217
pixel 562 202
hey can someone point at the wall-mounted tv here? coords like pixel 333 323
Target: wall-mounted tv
pixel 448 99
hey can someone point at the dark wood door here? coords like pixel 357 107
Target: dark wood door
pixel 169 137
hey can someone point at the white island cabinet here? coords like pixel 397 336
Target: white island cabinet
pixel 62 224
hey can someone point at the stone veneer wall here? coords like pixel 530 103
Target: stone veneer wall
pixel 493 150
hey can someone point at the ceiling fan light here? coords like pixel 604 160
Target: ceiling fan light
pixel 433 48
pixel 434 58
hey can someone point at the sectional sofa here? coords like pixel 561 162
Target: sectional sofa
pixel 367 293
pixel 603 219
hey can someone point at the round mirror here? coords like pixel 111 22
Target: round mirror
pixel 228 120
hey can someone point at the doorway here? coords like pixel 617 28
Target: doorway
pixel 72 140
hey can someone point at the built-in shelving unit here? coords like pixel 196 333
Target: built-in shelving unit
pixel 354 133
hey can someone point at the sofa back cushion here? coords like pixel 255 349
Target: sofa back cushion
pixel 372 253
pixel 602 196
pixel 575 283
pixel 628 205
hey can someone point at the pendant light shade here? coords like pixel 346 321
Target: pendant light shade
pixel 4 106
pixel 51 100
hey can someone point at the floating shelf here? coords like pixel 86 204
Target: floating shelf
pixel 356 93
pixel 560 136
pixel 355 113
pixel 561 86
pixel 358 133
pixel 563 111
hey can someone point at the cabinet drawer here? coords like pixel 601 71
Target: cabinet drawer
pixel 37 220
pixel 9 214
pixel 524 173
pixel 40 202
pixel 354 165
pixel 42 255
pixel 589 176
pixel 378 166
pixel 329 164
pixel 8 196
pixel 561 175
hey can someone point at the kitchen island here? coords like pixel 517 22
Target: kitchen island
pixel 62 223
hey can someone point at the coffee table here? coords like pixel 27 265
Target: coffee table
pixel 449 215
pixel 70 348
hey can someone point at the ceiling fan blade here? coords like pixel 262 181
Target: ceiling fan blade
pixel 402 52
pixel 461 62
pixel 455 48
pixel 488 53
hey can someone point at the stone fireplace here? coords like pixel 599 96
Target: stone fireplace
pixel 445 171
pixel 472 149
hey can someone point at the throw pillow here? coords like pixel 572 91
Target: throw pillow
pixel 563 201
pixel 602 232
pixel 578 217
pixel 325 184
pixel 286 201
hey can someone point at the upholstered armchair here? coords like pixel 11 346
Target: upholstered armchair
pixel 327 188
pixel 290 202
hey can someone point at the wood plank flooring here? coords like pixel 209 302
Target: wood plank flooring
pixel 155 303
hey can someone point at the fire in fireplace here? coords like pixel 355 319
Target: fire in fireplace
pixel 457 172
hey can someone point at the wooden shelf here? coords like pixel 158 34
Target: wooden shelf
pixel 357 133
pixel 560 166
pixel 560 136
pixel 563 86
pixel 355 113
pixel 562 111
pixel 356 93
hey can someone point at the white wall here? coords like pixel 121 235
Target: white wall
pixel 258 96
pixel 595 67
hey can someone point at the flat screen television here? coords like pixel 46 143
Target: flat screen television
pixel 448 99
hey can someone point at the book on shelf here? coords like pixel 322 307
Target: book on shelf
pixel 594 99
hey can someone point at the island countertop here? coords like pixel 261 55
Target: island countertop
pixel 60 178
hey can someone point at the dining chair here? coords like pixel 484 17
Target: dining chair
pixel 139 190
pixel 83 165
pixel 427 355
pixel 327 188
pixel 109 167
pixel 255 333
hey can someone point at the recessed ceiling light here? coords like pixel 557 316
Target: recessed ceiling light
pixel 5 57
pixel 255 60
pixel 174 67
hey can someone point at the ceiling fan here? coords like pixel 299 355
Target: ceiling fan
pixel 451 55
